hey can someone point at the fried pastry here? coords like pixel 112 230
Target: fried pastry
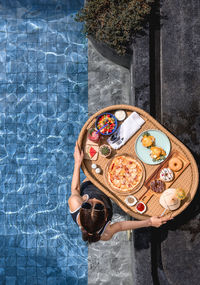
pixel 157 152
pixel 148 140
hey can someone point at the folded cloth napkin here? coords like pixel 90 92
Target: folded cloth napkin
pixel 127 129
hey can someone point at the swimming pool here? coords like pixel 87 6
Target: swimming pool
pixel 43 105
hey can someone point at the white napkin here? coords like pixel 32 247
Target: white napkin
pixel 127 129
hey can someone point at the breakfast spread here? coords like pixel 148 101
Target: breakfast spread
pixel 166 175
pixel 124 173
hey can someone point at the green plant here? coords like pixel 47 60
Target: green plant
pixel 114 22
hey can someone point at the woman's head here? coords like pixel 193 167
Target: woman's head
pixel 93 216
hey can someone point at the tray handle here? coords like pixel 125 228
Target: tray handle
pixel 147 196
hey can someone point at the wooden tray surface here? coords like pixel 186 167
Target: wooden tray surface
pixel 187 178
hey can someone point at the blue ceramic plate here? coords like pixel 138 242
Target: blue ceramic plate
pixel 161 140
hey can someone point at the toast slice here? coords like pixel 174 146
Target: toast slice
pixel 91 152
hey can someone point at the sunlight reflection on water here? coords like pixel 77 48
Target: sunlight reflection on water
pixel 43 105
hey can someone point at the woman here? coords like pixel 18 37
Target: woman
pixel 91 209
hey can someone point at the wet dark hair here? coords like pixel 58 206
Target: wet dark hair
pixel 92 221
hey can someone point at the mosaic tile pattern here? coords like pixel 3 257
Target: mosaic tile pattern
pixel 43 105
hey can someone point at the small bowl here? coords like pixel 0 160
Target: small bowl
pixel 131 197
pixel 107 146
pixel 145 207
pixel 115 127
pixel 120 115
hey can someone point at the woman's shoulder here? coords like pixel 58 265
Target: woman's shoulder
pixel 110 230
pixel 75 201
pixel 107 234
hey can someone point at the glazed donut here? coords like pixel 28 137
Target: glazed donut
pixel 157 186
pixel 175 164
pixel 166 175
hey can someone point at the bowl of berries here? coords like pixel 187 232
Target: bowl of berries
pixel 106 124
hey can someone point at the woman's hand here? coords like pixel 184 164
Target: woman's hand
pixel 158 221
pixel 78 155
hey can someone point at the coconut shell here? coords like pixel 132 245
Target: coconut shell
pixel 169 200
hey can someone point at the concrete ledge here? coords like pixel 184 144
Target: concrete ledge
pixel 110 262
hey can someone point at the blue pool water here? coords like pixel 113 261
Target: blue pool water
pixel 43 105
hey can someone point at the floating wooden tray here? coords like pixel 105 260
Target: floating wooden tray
pixel 187 178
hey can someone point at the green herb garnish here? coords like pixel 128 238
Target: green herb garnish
pixel 105 150
pixel 161 158
pixel 146 134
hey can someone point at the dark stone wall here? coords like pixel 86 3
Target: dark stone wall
pixel 180 69
pixel 180 113
pixel 140 72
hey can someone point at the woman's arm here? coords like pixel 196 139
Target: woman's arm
pixel 75 200
pixel 132 225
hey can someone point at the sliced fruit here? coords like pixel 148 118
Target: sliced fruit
pixel 92 152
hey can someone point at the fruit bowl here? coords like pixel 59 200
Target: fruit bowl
pixel 106 119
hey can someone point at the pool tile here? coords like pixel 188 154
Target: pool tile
pixel 10 280
pixel 21 280
pixel 41 113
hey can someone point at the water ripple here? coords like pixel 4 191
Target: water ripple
pixel 43 106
